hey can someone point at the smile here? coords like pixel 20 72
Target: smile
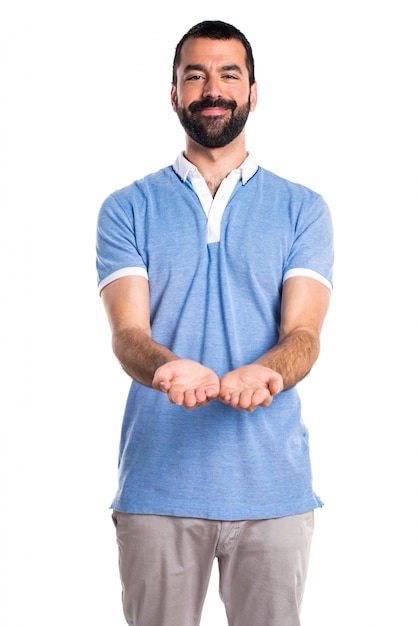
pixel 213 112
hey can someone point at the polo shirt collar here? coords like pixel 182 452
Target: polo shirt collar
pixel 185 168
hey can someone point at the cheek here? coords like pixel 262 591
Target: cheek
pixel 190 92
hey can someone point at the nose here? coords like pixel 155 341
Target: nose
pixel 212 88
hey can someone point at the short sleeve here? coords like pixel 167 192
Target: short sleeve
pixel 117 252
pixel 312 252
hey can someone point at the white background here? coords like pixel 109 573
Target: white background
pixel 85 110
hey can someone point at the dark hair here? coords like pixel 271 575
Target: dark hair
pixel 215 30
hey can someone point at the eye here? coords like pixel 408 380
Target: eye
pixel 231 77
pixel 194 77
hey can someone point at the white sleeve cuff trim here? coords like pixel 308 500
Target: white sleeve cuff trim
pixel 125 271
pixel 301 271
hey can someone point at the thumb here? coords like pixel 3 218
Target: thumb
pixel 276 384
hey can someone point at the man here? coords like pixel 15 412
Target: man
pixel 215 275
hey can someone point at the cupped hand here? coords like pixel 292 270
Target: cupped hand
pixel 250 386
pixel 186 383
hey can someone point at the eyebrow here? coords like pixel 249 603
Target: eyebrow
pixel 201 68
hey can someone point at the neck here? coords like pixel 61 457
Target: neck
pixel 216 163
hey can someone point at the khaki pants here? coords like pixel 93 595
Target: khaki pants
pixel 165 565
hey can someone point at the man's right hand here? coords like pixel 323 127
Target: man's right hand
pixel 186 383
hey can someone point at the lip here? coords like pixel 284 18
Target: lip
pixel 213 111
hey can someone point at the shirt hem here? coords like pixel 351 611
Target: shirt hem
pixel 217 514
pixel 126 271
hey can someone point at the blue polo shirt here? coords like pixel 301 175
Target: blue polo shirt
pixel 215 268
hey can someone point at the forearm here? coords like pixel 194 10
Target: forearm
pixel 139 355
pixel 293 356
pixel 184 381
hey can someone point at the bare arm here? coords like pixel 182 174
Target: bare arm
pixel 185 382
pixel 305 303
pixel 126 301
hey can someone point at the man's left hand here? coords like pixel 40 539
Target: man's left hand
pixel 250 386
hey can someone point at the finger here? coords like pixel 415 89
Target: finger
pixel 261 397
pixel 276 385
pixel 211 392
pixel 175 395
pixel 225 396
pixel 190 399
pixel 245 400
pixel 235 399
pixel 201 395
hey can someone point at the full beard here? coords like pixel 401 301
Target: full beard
pixel 213 131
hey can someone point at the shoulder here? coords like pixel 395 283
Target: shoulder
pixel 284 196
pixel 130 198
pixel 271 181
pixel 140 185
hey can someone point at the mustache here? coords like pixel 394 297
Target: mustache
pixel 208 103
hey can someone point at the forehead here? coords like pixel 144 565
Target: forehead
pixel 213 53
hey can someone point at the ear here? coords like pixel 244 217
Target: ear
pixel 253 96
pixel 173 97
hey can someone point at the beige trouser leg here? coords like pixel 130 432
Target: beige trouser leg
pixel 262 578
pixel 165 564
